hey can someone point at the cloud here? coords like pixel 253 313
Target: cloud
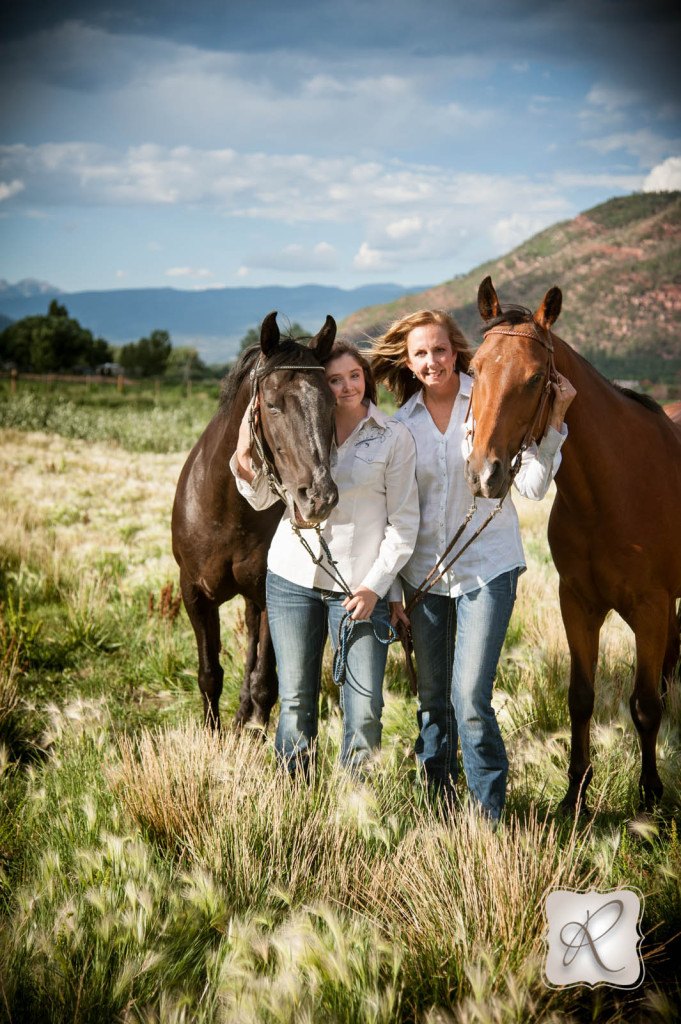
pixel 9 189
pixel 295 258
pixel 509 232
pixel 188 272
pixel 649 147
pixel 666 177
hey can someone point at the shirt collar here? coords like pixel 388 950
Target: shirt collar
pixel 465 385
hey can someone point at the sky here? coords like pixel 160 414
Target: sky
pixel 157 143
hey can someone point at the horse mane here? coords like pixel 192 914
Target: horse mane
pixel 287 351
pixel 514 314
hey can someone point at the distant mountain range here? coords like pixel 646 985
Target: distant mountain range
pixel 213 320
pixel 618 266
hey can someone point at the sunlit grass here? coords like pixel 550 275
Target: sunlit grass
pixel 152 871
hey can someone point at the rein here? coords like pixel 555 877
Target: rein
pixel 347 623
pixel 530 437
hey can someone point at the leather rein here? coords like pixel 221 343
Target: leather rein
pixel 258 441
pixel 530 438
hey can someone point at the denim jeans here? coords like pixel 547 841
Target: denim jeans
pixel 457 644
pixel 300 618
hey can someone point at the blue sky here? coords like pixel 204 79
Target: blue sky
pixel 159 143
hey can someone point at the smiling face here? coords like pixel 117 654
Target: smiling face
pixel 431 358
pixel 346 379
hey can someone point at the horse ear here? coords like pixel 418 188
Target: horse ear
pixel 322 342
pixel 549 311
pixel 488 303
pixel 269 334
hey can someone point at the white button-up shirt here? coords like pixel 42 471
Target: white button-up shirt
pixel 444 499
pixel 372 530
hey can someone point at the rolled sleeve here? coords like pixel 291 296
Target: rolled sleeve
pixel 540 463
pixel 258 493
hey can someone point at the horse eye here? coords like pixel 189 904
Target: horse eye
pixel 271 408
pixel 536 378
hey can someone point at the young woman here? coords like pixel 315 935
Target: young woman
pixel 370 535
pixel 458 629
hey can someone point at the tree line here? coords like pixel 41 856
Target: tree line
pixel 58 343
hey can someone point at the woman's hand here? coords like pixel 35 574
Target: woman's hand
pixel 244 447
pixel 398 616
pixel 361 604
pixel 563 396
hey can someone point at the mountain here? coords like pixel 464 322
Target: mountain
pixel 26 289
pixel 214 320
pixel 618 266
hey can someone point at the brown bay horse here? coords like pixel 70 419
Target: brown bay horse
pixel 615 525
pixel 219 541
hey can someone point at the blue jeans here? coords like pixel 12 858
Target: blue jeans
pixel 457 644
pixel 300 618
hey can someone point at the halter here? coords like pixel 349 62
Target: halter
pixel 260 371
pixel 442 567
pixel 523 331
pixel 347 623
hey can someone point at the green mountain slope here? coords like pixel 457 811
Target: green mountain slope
pixel 619 267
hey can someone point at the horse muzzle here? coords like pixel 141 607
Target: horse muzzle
pixel 314 504
pixel 490 480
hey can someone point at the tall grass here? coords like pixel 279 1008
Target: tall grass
pixel 151 871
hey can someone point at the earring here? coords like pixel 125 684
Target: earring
pixel 413 376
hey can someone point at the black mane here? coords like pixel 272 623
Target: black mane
pixel 512 315
pixel 287 351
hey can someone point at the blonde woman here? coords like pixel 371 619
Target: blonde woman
pixel 458 628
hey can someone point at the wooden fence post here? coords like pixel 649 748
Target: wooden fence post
pixel 13 382
pixel 120 382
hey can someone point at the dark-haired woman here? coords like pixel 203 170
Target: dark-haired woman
pixel 370 535
pixel 458 628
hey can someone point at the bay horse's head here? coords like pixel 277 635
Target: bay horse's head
pixel 510 399
pixel 296 407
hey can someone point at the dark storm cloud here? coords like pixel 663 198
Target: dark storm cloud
pixel 633 43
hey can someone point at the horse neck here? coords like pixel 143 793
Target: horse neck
pixel 595 403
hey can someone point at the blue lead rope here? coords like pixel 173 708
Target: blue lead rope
pixel 340 656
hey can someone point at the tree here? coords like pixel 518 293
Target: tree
pixel 252 336
pixel 47 344
pixel 149 356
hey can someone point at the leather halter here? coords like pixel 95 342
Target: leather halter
pixel 532 332
pixel 259 371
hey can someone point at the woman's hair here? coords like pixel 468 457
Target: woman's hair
pixel 340 348
pixel 389 352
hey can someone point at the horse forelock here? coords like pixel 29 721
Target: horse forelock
pixel 511 316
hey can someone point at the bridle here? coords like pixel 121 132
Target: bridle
pixel 442 566
pixel 523 331
pixel 258 441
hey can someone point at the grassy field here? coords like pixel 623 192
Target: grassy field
pixel 152 872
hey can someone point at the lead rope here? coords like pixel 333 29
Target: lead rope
pixel 347 623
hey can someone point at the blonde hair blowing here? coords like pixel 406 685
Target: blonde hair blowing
pixel 389 352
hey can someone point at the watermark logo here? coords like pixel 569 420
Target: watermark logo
pixel 593 938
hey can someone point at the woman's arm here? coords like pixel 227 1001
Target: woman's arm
pixel 251 482
pixel 401 510
pixel 540 463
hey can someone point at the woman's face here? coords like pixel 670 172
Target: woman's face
pixel 430 356
pixel 346 380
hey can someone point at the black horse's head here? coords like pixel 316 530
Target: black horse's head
pixel 296 413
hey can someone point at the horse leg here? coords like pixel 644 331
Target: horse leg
pixel 264 688
pixel 252 618
pixel 671 654
pixel 650 624
pixel 582 627
pixel 204 617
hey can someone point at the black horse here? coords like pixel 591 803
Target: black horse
pixel 219 541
